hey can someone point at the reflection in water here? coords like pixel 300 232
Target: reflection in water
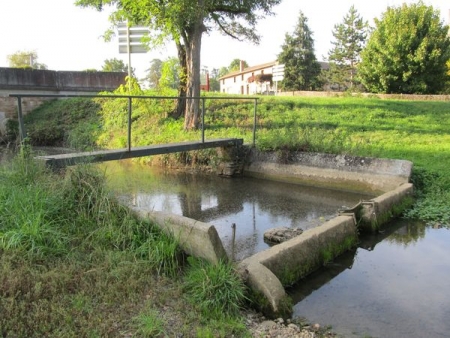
pixel 253 205
pixel 398 232
pixel 396 284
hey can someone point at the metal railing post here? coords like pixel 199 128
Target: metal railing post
pixel 254 123
pixel 203 120
pixel 129 123
pixel 22 131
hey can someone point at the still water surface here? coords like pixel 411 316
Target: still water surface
pixel 253 205
pixel 395 284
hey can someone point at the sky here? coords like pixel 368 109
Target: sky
pixel 66 37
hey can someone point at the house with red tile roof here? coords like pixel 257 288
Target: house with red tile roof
pixel 249 81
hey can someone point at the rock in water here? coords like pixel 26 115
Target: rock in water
pixel 282 234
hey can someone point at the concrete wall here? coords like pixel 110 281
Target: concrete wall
pixel 13 79
pixel 269 271
pixel 380 96
pixel 342 172
pixel 37 82
pixel 194 237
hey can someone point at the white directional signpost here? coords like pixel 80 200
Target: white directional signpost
pixel 130 40
pixel 277 75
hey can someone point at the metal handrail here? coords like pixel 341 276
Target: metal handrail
pixel 22 131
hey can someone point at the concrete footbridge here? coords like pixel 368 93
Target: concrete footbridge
pixel 63 160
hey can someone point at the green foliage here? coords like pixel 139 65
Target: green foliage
pixel 215 289
pixel 432 208
pixel 154 73
pixel 350 38
pixel 162 252
pixel 26 60
pixel 74 262
pixel 29 217
pixel 235 65
pixel 226 327
pixel 115 65
pixel 184 22
pixel 407 52
pixel 93 296
pixel 12 130
pixel 301 70
pixel 432 190
pixel 171 72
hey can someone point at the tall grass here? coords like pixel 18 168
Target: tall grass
pixel 29 214
pixel 215 289
pixel 75 262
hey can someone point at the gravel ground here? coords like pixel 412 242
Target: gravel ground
pixel 261 327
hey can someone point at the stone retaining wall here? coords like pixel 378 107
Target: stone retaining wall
pixel 409 97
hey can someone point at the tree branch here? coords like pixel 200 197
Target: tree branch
pixel 216 19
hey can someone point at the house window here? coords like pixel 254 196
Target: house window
pixel 242 77
pixel 235 79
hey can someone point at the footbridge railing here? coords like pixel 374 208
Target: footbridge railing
pixel 131 98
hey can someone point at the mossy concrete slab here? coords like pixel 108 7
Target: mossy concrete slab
pixel 269 271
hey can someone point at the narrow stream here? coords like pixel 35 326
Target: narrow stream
pixel 395 284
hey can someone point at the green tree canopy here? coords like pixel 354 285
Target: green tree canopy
pixel 223 71
pixel 114 65
pixel 301 71
pixel 170 73
pixel 184 22
pixel 407 52
pixel 214 84
pixel 154 73
pixel 349 40
pixel 235 65
pixel 25 59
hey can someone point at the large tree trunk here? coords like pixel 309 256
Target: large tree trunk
pixel 193 49
pixel 181 104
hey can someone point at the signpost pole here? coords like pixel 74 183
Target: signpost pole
pixel 129 58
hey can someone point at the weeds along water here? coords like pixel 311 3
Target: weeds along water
pixel 73 261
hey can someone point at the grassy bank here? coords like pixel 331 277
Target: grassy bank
pixel 74 262
pixel 410 130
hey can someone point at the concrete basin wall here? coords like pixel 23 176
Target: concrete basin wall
pixel 196 238
pixel 378 211
pixel 268 272
pixel 342 172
